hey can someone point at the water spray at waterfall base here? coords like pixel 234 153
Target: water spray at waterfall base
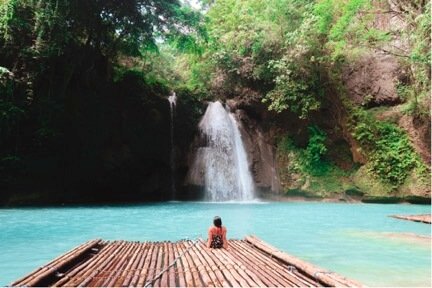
pixel 226 170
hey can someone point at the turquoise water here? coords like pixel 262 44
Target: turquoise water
pixel 359 241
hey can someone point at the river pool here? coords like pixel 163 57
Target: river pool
pixel 359 241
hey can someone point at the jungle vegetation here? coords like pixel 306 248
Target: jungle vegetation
pixel 72 73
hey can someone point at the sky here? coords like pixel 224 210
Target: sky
pixel 194 3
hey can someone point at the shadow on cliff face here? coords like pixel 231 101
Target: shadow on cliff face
pixel 113 145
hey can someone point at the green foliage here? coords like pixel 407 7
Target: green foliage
pixel 420 63
pixel 58 62
pixel 317 175
pixel 390 154
pixel 325 10
pixel 316 148
pixel 310 160
pixel 348 12
pixel 10 112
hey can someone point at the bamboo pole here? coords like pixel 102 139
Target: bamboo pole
pixel 159 265
pixel 223 268
pixel 24 280
pixel 330 277
pixel 121 262
pixel 75 273
pixel 95 277
pixel 264 277
pixel 144 253
pixel 243 270
pixel 93 262
pixel 145 269
pixel 165 264
pixel 316 272
pixel 212 264
pixel 152 266
pixel 188 269
pixel 424 218
pixel 123 269
pixel 50 270
pixel 213 281
pixel 196 273
pixel 130 271
pixel 126 272
pixel 171 271
pixel 200 267
pixel 276 278
pixel 238 268
pixel 181 277
pixel 282 274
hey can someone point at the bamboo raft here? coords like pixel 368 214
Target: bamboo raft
pixel 424 218
pixel 247 263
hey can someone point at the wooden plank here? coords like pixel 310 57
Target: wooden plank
pixel 166 263
pixel 26 279
pixel 42 274
pixel 279 270
pixel 134 265
pixel 90 273
pixel 310 269
pixel 220 279
pixel 126 273
pixel 152 266
pixel 232 282
pixel 261 266
pixel 260 276
pixel 237 272
pixel 423 218
pixel 188 246
pixel 96 277
pixel 296 267
pixel 187 268
pixel 90 264
pixel 120 276
pixel 181 276
pixel 159 265
pixel 144 253
pixel 124 269
pixel 145 269
pixel 213 281
pixel 242 269
pixel 171 271
pixel 116 270
pixel 252 265
pixel 200 267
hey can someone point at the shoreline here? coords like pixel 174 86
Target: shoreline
pixel 415 200
pixel 341 198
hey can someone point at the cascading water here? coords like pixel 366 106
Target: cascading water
pixel 172 99
pixel 226 170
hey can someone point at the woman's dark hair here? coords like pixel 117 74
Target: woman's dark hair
pixel 217 221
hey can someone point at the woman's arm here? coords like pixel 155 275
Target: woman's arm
pixel 209 238
pixel 225 241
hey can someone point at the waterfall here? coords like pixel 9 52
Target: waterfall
pixel 172 99
pixel 226 170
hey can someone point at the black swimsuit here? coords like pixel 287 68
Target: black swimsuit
pixel 217 241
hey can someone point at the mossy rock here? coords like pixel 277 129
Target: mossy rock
pixel 382 199
pixel 300 193
pixel 416 185
pixel 354 192
pixel 369 184
pixel 418 200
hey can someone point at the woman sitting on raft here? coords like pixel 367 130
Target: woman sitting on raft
pixel 217 235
